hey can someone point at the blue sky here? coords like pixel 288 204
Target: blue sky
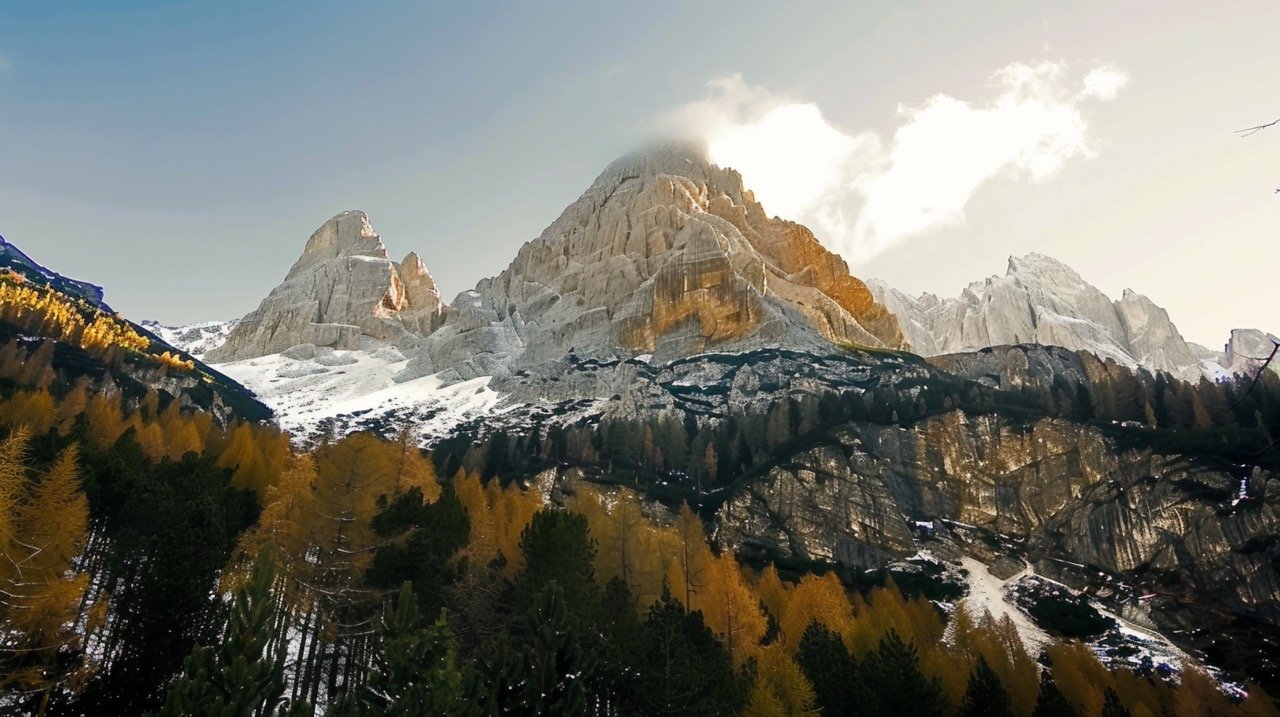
pixel 195 146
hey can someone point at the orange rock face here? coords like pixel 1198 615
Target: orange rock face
pixel 705 293
pixel 789 265
pixel 668 254
pixel 796 261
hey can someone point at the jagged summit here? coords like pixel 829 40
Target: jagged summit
pixel 342 288
pixel 1041 300
pixel 665 253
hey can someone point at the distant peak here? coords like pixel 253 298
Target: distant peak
pixel 685 158
pixel 347 233
pixel 414 263
pixel 1036 261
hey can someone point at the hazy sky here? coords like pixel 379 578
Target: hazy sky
pixel 181 154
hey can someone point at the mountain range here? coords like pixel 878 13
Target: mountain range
pixel 664 333
pixel 664 256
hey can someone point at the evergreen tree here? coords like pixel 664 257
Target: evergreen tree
pixel 833 672
pixel 621 631
pixel 985 696
pixel 1051 702
pixel 238 678
pixel 557 547
pixel 682 668
pixel 416 671
pixel 172 528
pixel 547 668
pixel 423 539
pixel 900 687
pixel 1112 706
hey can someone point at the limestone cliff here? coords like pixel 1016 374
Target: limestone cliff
pixel 342 288
pixel 666 254
pixel 1247 351
pixel 1041 300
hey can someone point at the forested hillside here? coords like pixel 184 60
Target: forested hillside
pixel 167 552
pixel 159 561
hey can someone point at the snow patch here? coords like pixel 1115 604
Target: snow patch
pixel 987 594
pixel 304 393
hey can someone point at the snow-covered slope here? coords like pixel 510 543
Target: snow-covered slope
pixel 1041 300
pixel 320 389
pixel 196 339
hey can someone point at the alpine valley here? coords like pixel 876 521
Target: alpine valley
pixel 1030 475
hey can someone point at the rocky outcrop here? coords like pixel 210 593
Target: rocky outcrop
pixel 344 287
pixel 1043 301
pixel 1059 489
pixel 1247 351
pixel 665 254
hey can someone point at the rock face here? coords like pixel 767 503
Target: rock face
pixel 1246 351
pixel 664 254
pixel 1041 300
pixel 1058 488
pixel 344 287
pixel 861 459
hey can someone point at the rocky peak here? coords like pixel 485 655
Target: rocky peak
pixel 343 288
pixel 346 234
pixel 1040 300
pixel 1037 263
pixel 665 253
pixel 1246 351
pixel 423 307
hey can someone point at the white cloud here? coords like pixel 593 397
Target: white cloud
pixel 1104 82
pixel 860 193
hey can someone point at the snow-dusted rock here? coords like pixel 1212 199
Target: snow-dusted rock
pixel 196 339
pixel 1041 300
pixel 342 288
pixel 665 254
pixel 1246 351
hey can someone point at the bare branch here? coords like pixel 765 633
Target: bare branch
pixel 1261 369
pixel 1256 129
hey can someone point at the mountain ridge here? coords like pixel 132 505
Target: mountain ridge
pixel 1042 300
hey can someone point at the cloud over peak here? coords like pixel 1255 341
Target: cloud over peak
pixel 862 193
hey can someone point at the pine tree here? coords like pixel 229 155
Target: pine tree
pixel 833 672
pixel 557 548
pixel 238 678
pixel 548 668
pixel 621 631
pixel 423 539
pixel 1050 702
pixel 1112 706
pixel 985 696
pixel 416 671
pixel 682 668
pixel 901 688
